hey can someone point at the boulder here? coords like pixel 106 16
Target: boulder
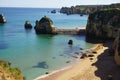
pixel 53 11
pixel 70 42
pixel 103 24
pixel 27 25
pixel 44 26
pixel 2 19
pixel 116 47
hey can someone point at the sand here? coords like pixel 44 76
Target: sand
pixel 88 69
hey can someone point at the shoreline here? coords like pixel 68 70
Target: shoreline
pixel 72 68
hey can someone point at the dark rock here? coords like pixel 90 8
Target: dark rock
pixel 90 55
pixel 77 53
pixel 67 61
pixel 91 58
pixel 28 25
pixel 44 26
pixel 103 24
pixel 94 52
pixel 83 56
pixel 47 73
pixel 2 19
pixel 53 11
pixel 70 42
pixel 81 49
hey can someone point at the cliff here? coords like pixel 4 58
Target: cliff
pixel 116 47
pixel 44 26
pixel 9 73
pixel 86 9
pixel 103 24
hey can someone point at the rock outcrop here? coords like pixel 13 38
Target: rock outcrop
pixel 116 47
pixel 9 73
pixel 44 26
pixel 2 19
pixel 27 25
pixel 103 24
pixel 53 11
pixel 86 9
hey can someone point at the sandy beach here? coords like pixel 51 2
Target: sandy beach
pixel 80 71
pixel 90 68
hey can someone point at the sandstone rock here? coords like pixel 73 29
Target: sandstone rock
pixel 103 24
pixel 28 25
pixel 2 19
pixel 9 73
pixel 44 26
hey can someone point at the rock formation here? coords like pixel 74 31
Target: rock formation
pixel 28 25
pixel 116 47
pixel 53 11
pixel 103 24
pixel 44 26
pixel 8 73
pixel 2 19
pixel 86 9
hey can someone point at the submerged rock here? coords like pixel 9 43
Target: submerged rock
pixel 28 25
pixel 2 19
pixel 103 24
pixel 44 26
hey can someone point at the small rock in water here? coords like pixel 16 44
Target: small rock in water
pixel 77 53
pixel 67 61
pixel 70 42
pixel 27 25
pixel 81 49
pixel 47 73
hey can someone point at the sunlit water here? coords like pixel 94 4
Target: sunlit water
pixel 36 54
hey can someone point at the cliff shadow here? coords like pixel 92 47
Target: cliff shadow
pixel 106 66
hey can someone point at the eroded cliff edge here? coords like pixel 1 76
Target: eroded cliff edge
pixel 105 25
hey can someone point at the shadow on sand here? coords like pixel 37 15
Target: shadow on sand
pixel 106 67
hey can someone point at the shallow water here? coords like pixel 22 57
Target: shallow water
pixel 37 54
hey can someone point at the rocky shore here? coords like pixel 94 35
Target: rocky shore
pixel 9 73
pixel 103 27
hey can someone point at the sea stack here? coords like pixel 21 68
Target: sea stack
pixel 44 26
pixel 27 25
pixel 2 19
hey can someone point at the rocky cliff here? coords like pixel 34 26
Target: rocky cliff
pixel 86 9
pixel 116 47
pixel 44 26
pixel 9 73
pixel 103 24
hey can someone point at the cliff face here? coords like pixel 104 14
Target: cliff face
pixel 8 73
pixel 116 47
pixel 103 24
pixel 44 26
pixel 86 9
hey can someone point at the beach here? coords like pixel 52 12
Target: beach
pixel 82 70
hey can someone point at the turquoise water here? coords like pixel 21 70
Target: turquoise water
pixel 37 54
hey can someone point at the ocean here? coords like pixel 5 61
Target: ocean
pixel 36 54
